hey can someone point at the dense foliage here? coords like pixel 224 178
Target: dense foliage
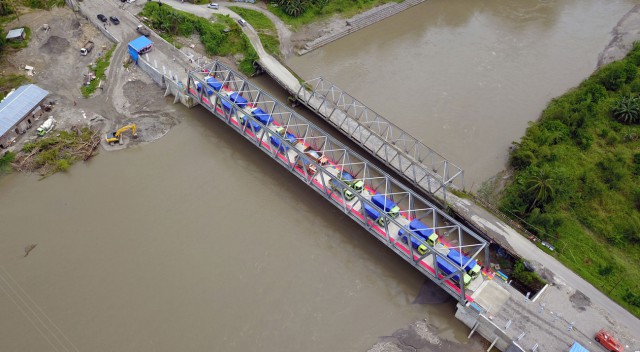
pixel 300 12
pixel 5 162
pixel 222 37
pixel 577 179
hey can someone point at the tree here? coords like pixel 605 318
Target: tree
pixel 295 8
pixel 541 185
pixel 627 109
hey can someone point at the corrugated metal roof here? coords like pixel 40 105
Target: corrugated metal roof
pixel 578 348
pixel 14 107
pixel 15 33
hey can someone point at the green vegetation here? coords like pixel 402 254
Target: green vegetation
pixel 57 152
pixel 222 37
pixel 5 162
pixel 302 12
pixel 576 179
pixel 526 277
pixel 265 28
pixel 99 68
pixel 8 82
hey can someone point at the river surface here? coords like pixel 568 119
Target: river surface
pixel 199 242
pixel 465 77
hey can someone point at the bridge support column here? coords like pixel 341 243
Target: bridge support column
pixel 475 326
pixel 492 344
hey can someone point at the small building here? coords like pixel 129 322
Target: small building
pixel 16 34
pixel 19 110
pixel 139 46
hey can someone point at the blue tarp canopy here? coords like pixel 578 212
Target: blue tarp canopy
pixel 372 213
pixel 252 124
pixel 199 86
pixel 140 43
pixel 460 259
pixel 214 83
pixel 578 348
pixel 262 116
pixel 420 228
pixel 238 99
pixel 278 144
pixel 137 45
pixel 383 202
pixel 226 105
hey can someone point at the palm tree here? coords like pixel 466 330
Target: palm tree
pixel 627 109
pixel 541 185
pixel 295 8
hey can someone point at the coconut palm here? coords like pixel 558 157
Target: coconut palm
pixel 627 109
pixel 541 185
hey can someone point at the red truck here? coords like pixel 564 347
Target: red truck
pixel 608 341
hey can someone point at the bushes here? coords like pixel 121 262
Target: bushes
pixel 5 162
pixel 224 37
pixel 587 202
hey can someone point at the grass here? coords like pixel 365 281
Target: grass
pixel 345 8
pixel 222 37
pixel 262 24
pixel 57 152
pixel 576 182
pixel 5 162
pixel 99 69
pixel 21 43
pixel 8 82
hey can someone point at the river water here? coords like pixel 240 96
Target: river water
pixel 466 76
pixel 199 242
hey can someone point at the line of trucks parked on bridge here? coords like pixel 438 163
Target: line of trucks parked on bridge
pixel 421 235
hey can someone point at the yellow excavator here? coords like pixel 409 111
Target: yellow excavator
pixel 114 137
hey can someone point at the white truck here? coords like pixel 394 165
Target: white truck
pixel 86 48
pixel 46 127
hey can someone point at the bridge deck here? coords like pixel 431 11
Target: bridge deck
pixel 233 99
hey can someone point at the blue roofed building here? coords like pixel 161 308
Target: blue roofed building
pixel 19 110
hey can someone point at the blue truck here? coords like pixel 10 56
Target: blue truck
pixel 472 268
pixel 448 269
pixel 421 233
pixel 374 214
pixel 386 204
pixel 262 116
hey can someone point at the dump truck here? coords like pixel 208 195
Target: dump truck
pixel 418 228
pixel 469 265
pixel 86 48
pixel 386 204
pixel 143 30
pixel 448 269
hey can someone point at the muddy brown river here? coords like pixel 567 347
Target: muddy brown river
pixel 198 241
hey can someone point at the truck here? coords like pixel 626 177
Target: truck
pixel 143 30
pixel 448 269
pixel 418 228
pixel 374 214
pixel 86 48
pixel 607 341
pixel 46 127
pixel 469 265
pixel 386 204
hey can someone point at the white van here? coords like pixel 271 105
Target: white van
pixel 242 22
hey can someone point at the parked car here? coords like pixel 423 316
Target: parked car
pixel 213 5
pixel 114 19
pixel 242 22
pixel 102 17
pixel 316 156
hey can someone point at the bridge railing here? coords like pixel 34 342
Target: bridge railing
pixel 294 157
pixel 415 161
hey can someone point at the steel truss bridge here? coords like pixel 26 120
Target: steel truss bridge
pixel 417 163
pixel 233 99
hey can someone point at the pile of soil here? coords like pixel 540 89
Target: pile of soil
pixel 55 45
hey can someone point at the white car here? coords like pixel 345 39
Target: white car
pixel 213 5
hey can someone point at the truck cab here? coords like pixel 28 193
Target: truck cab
pixel 355 184
pixel 335 185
